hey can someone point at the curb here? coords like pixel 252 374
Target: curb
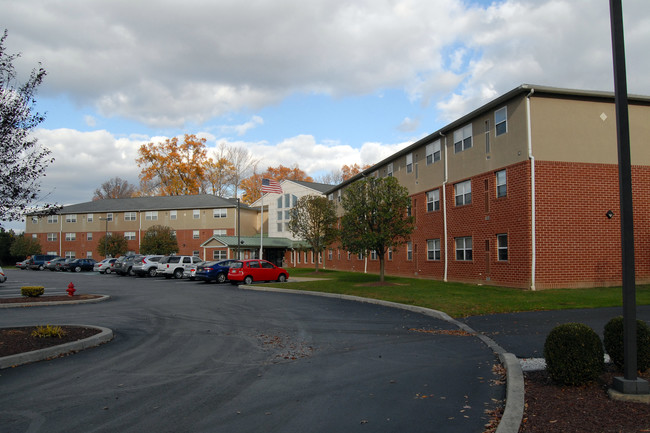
pixel 514 409
pixel 104 336
pixel 50 303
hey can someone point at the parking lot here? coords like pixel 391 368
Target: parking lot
pixel 191 356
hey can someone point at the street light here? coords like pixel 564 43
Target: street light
pixel 105 237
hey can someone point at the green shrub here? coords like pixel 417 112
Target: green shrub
pixel 614 343
pixel 48 332
pixel 32 291
pixel 574 354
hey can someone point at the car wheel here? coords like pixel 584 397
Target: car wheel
pixel 77 269
pixel 178 274
pixel 221 278
pixel 130 272
pixel 40 268
pixel 282 278
pixel 107 271
pixel 152 272
pixel 248 280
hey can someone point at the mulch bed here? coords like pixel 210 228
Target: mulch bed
pixel 550 408
pixel 37 299
pixel 19 340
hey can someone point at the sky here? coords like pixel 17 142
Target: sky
pixel 314 84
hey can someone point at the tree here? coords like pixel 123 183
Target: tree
pixel 170 168
pixel 112 245
pixel 24 246
pixel 7 239
pixel 242 161
pixel 375 217
pixel 219 177
pixel 349 171
pixel 114 188
pixel 252 185
pixel 313 219
pixel 23 160
pixel 159 239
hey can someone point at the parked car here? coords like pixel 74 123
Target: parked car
pixel 78 265
pixel 3 277
pixel 51 265
pixel 23 264
pixel 104 267
pixel 214 271
pixel 174 266
pixel 124 265
pixel 247 271
pixel 59 265
pixel 147 266
pixel 39 260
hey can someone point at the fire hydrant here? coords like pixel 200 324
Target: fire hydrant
pixel 71 289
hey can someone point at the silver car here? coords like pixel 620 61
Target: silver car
pixel 3 277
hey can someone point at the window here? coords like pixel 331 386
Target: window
pixel 196 214
pixel 130 216
pixel 373 255
pixel 389 170
pixel 463 193
pixel 70 255
pixel 70 236
pixel 196 234
pixel 173 214
pixel 34 236
pixel 338 198
pixel 487 136
pixel 89 217
pixel 34 220
pixel 51 237
pixel 287 215
pixel 219 255
pixel 502 187
pixel 502 247
pixel 433 152
pixel 409 250
pixel 390 254
pixel 409 163
pixel 109 216
pixel 72 218
pixel 129 236
pixel 433 249
pixel 150 215
pixel 463 138
pixel 287 200
pixel 195 254
pixel 280 202
pixel 433 200
pixel 501 121
pixel 464 248
pixel 52 219
pixel 89 236
pixel 359 256
pixel 280 226
pixel 89 254
pixel 330 254
pixel 219 232
pixel 220 213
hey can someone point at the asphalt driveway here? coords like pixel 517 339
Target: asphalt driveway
pixel 189 356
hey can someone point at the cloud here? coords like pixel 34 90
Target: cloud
pixel 243 128
pixel 409 125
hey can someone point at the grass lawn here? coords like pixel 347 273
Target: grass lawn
pixel 461 300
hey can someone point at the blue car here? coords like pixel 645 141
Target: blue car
pixel 214 271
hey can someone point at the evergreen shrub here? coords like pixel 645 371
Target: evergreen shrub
pixel 613 339
pixel 32 291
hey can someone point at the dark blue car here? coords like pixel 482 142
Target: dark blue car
pixel 214 271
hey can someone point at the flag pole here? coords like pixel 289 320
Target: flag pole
pixel 261 226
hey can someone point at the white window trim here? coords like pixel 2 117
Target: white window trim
pixel 499 120
pixel 463 189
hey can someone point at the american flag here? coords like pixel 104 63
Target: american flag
pixel 271 185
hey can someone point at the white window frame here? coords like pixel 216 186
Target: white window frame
pixel 89 217
pixel 409 251
pixel 173 215
pixel 130 216
pixel 219 232
pixel 433 152
pixel 52 219
pixel 196 214
pixel 433 249
pixel 220 213
pixel 409 162
pixel 71 218
pixel 502 247
pixel 219 254
pixel 89 236
pixel 463 138
pixel 151 215
pixel 389 170
pixel 463 193
pixel 501 121
pixel 71 237
pixel 52 237
pixel 463 249
pixel 433 200
pixel 129 236
pixel 109 216
pixel 196 234
pixel 502 183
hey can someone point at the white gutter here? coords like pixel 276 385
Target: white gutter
pixel 532 186
pixel 444 208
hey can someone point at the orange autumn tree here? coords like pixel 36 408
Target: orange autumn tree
pixel 172 168
pixel 252 186
pixel 348 171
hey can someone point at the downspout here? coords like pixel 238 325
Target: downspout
pixel 532 187
pixel 444 207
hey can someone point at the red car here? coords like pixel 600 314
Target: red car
pixel 247 271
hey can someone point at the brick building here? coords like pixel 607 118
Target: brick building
pixel 518 193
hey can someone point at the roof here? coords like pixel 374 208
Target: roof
pixel 173 202
pixel 321 187
pixel 530 89
pixel 254 242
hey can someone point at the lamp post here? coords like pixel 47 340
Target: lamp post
pixel 105 237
